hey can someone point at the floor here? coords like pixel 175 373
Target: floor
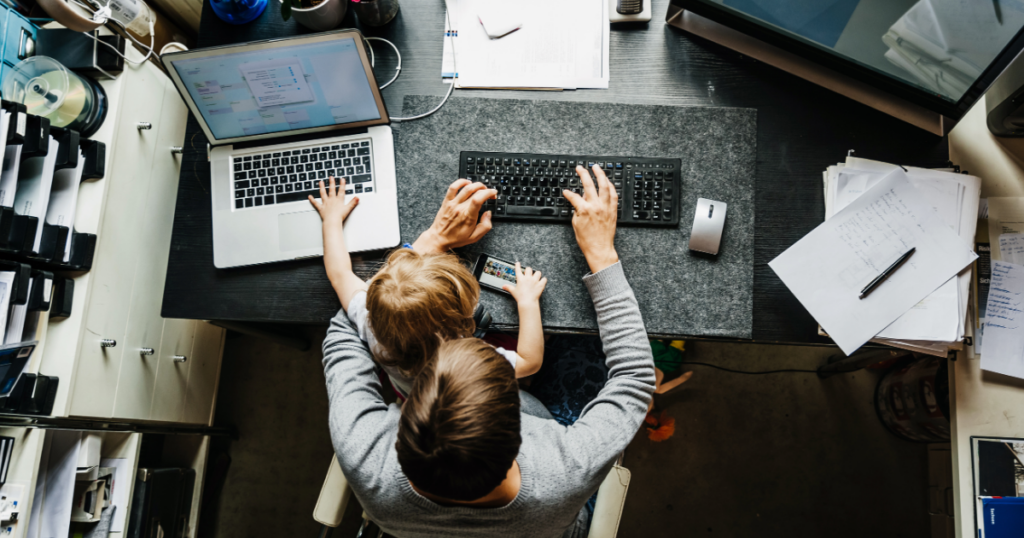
pixel 753 455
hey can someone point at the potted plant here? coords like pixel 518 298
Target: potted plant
pixel 317 15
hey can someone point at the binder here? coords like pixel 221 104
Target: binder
pixel 158 502
pixel 63 293
pixel 42 291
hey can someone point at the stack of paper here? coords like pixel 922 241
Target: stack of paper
pixel 547 52
pixel 875 218
pixel 938 322
pixel 947 44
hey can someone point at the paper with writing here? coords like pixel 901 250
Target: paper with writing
pixel 1004 321
pixel 828 267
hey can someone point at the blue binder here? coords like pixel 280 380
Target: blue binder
pixel 1003 517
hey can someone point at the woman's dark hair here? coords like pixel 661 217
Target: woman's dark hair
pixel 459 431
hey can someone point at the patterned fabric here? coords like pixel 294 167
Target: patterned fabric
pixel 574 371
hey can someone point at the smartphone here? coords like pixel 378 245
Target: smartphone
pixel 493 273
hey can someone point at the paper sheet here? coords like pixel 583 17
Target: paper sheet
pixel 9 175
pixel 6 289
pixel 35 178
pixel 64 200
pixel 119 491
pixel 16 320
pixel 1004 321
pixel 828 267
pixel 544 53
pixel 55 488
pixel 952 195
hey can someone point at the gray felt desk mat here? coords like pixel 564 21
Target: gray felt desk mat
pixel 680 293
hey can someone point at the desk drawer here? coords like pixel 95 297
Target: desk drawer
pixel 119 242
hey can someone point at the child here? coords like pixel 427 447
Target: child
pixel 417 301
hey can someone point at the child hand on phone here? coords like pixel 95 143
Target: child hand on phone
pixel 527 291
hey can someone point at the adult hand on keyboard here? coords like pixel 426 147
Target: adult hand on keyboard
pixel 594 219
pixel 456 223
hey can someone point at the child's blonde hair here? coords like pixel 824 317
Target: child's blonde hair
pixel 416 302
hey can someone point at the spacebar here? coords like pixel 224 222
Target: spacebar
pixel 296 196
pixel 530 211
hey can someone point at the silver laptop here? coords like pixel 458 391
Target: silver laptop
pixel 282 115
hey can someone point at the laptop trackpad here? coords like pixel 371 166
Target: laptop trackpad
pixel 300 231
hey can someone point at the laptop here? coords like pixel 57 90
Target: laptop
pixel 281 115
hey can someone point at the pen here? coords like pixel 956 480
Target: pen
pixel 885 274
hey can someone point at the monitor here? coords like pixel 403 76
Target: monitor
pixel 940 55
pixel 270 89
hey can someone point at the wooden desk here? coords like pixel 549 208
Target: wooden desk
pixel 802 128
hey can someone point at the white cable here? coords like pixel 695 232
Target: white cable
pixel 398 70
pixel 451 88
pixel 172 44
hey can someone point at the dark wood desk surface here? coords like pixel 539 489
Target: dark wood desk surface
pixel 802 129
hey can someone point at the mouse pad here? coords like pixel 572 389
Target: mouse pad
pixel 680 292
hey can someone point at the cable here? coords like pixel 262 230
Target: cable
pixel 783 371
pixel 398 70
pixel 102 16
pixel 451 88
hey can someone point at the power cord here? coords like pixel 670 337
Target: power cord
pixel 102 16
pixel 783 371
pixel 398 70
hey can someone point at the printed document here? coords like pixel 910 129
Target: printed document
pixel 827 269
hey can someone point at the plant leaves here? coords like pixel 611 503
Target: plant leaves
pixel 286 9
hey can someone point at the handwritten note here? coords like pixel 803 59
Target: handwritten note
pixel 1004 321
pixel 828 267
pixel 1011 248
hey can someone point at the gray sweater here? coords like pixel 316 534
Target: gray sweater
pixel 561 467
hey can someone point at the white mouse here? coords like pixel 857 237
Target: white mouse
pixel 708 223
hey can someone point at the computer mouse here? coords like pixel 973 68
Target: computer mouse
pixel 708 223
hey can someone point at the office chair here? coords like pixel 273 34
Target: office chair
pixel 335 495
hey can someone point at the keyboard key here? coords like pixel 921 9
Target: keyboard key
pixel 335 147
pixel 364 144
pixel 252 174
pixel 363 151
pixel 259 191
pixel 532 211
pixel 258 201
pixel 250 192
pixel 248 202
pixel 268 200
pixel 344 146
pixel 360 179
pixel 239 204
pixel 297 196
pixel 240 194
pixel 368 189
pixel 359 188
pixel 264 182
pixel 241 184
pixel 247 158
pixel 286 154
pixel 279 189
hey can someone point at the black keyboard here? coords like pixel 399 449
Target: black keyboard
pixel 530 185
pixel 291 176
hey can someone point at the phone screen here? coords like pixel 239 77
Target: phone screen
pixel 496 273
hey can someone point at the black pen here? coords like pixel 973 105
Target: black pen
pixel 885 274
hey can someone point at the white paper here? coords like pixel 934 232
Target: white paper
pixel 119 490
pixel 451 38
pixel 1011 248
pixel 34 181
pixel 544 53
pixel 64 200
pixel 828 267
pixel 6 289
pixel 9 175
pixel 939 319
pixel 51 506
pixel 1004 321
pixel 16 320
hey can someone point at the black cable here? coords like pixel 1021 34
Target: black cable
pixel 788 370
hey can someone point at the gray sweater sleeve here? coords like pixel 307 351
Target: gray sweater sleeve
pixel 609 422
pixel 360 422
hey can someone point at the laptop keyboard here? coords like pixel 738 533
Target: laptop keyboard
pixel 291 176
pixel 530 185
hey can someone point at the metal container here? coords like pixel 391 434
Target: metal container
pixel 325 16
pixel 375 12
pixel 912 401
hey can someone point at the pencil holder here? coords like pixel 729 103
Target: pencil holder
pixel 375 12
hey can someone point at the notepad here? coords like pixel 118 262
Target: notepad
pixel 828 267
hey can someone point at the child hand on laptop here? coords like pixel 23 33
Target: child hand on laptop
pixel 527 291
pixel 333 211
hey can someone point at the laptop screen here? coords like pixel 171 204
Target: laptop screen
pixel 243 93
